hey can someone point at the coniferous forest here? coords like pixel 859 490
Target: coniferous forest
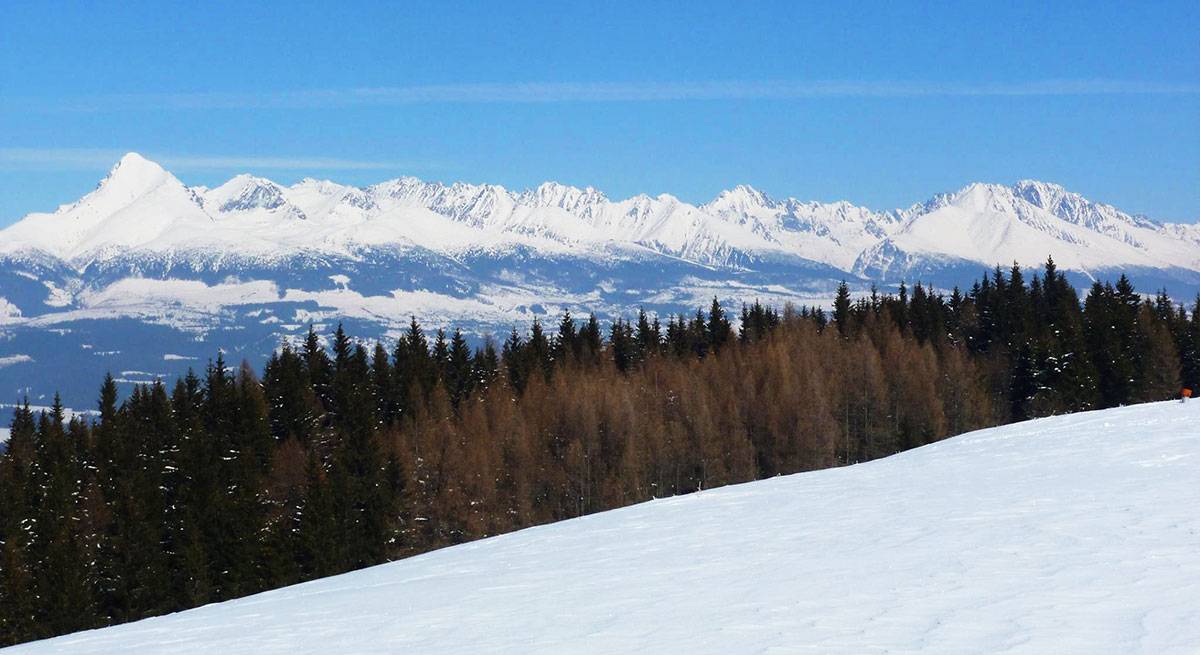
pixel 232 480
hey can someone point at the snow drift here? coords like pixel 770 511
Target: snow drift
pixel 1068 534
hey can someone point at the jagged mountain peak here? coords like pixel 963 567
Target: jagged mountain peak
pixel 986 197
pixel 1025 186
pixel 1026 193
pixel 1046 195
pixel 244 180
pixel 135 204
pixel 1025 222
pixel 556 194
pixel 132 177
pixel 740 198
pixel 1075 208
pixel 400 187
pixel 133 180
pixel 246 192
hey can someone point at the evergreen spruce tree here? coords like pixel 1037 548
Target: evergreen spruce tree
pixel 460 381
pixel 718 330
pixel 591 342
pixel 758 321
pixel 622 345
pixel 647 337
pixel 413 371
pixel 1067 376
pixel 318 368
pixel 440 355
pixel 321 548
pixel 566 345
pixel 343 347
pixel 537 349
pixel 230 491
pixel 383 388
pixel 1190 349
pixel 1111 323
pixel 356 473
pixel 485 365
pixel 1022 383
pixel 20 610
pixel 677 343
pixel 1159 377
pixel 196 486
pixel 514 358
pixel 697 335
pixel 841 309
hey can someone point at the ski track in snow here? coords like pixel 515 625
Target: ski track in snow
pixel 1068 534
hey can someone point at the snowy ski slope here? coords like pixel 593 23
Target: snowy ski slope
pixel 1074 534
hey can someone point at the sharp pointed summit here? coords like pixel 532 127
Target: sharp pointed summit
pixel 740 198
pixel 134 173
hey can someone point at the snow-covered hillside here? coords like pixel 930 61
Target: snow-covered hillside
pixel 1074 534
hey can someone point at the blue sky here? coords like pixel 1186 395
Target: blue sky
pixel 882 104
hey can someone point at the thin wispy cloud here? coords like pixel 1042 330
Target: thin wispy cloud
pixel 563 92
pixel 55 159
pixel 285 163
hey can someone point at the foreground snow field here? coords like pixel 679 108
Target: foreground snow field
pixel 1074 534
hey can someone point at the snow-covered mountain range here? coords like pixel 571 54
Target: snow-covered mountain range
pixel 241 265
pixel 142 210
pixel 1070 534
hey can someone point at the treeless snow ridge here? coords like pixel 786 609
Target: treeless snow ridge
pixel 1074 534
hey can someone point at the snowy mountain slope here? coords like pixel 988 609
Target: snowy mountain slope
pixel 1070 534
pixel 833 233
pixel 137 204
pixel 988 223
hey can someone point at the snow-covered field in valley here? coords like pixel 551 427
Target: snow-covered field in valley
pixel 1074 534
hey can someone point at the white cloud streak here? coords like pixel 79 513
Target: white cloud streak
pixel 589 92
pixel 57 159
